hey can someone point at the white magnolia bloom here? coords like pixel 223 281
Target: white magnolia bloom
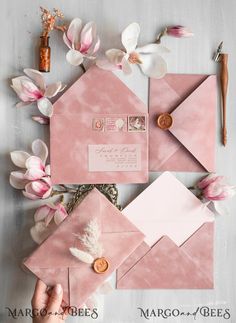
pixel 147 57
pixel 82 41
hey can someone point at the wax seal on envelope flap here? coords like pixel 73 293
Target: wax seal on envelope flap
pixel 69 256
pixel 100 265
pixel 164 121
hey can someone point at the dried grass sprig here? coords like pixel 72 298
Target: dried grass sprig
pixel 90 238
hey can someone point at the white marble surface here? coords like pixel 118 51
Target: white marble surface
pixel 211 21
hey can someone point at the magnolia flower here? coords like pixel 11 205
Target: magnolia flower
pixel 47 217
pixel 34 174
pixel 38 189
pixel 146 57
pixel 49 212
pixel 216 188
pixel 32 88
pixel 41 119
pixel 83 42
pixel 178 31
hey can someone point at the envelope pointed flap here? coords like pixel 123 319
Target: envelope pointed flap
pixel 115 222
pixel 167 207
pixel 200 247
pixel 165 266
pixel 184 84
pixel 194 123
pixel 165 95
pixel 98 91
pixel 132 260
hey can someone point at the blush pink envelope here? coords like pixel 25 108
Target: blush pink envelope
pixel 53 263
pixel 177 252
pixel 189 144
pixel 94 136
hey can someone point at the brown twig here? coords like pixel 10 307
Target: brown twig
pixel 163 33
pixel 49 21
pixel 83 68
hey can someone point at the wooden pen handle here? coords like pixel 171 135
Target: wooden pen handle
pixel 224 77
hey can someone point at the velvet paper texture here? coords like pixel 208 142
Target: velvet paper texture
pixel 189 144
pixel 99 133
pixel 177 252
pixel 53 263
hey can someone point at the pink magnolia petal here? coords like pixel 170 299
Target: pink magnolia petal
pixel 179 31
pixel 17 180
pixel 18 88
pixel 104 64
pixel 29 193
pixel 59 216
pixel 115 56
pixel 47 194
pixel 45 107
pixel 53 89
pixel 41 213
pixel 153 65
pixel 74 57
pixel 129 37
pixel 86 37
pixel 19 158
pixel 31 90
pixel 41 120
pixel 48 170
pixel 34 162
pixel 210 179
pixel 47 180
pixel 33 174
pixel 73 32
pixel 40 149
pixel 49 217
pixel 67 41
pixel 126 66
pixel 39 187
pixel 36 76
pixel 96 45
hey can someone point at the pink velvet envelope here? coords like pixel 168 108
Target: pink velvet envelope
pixel 177 252
pixel 189 144
pixel 99 133
pixel 53 263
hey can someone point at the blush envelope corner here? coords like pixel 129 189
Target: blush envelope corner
pixel 177 260
pixel 190 143
pixel 53 263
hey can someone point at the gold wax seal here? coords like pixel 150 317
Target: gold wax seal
pixel 100 265
pixel 164 121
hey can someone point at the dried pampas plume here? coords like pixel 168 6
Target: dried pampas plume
pixel 90 238
pixel 82 255
pixel 90 241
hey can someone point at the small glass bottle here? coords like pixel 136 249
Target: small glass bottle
pixel 44 54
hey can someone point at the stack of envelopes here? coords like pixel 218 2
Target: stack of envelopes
pixel 101 133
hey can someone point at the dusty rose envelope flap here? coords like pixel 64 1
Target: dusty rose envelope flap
pixel 189 145
pixel 75 138
pixel 177 252
pixel 53 263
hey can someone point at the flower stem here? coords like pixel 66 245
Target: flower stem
pixel 163 33
pixel 83 68
pixel 56 192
